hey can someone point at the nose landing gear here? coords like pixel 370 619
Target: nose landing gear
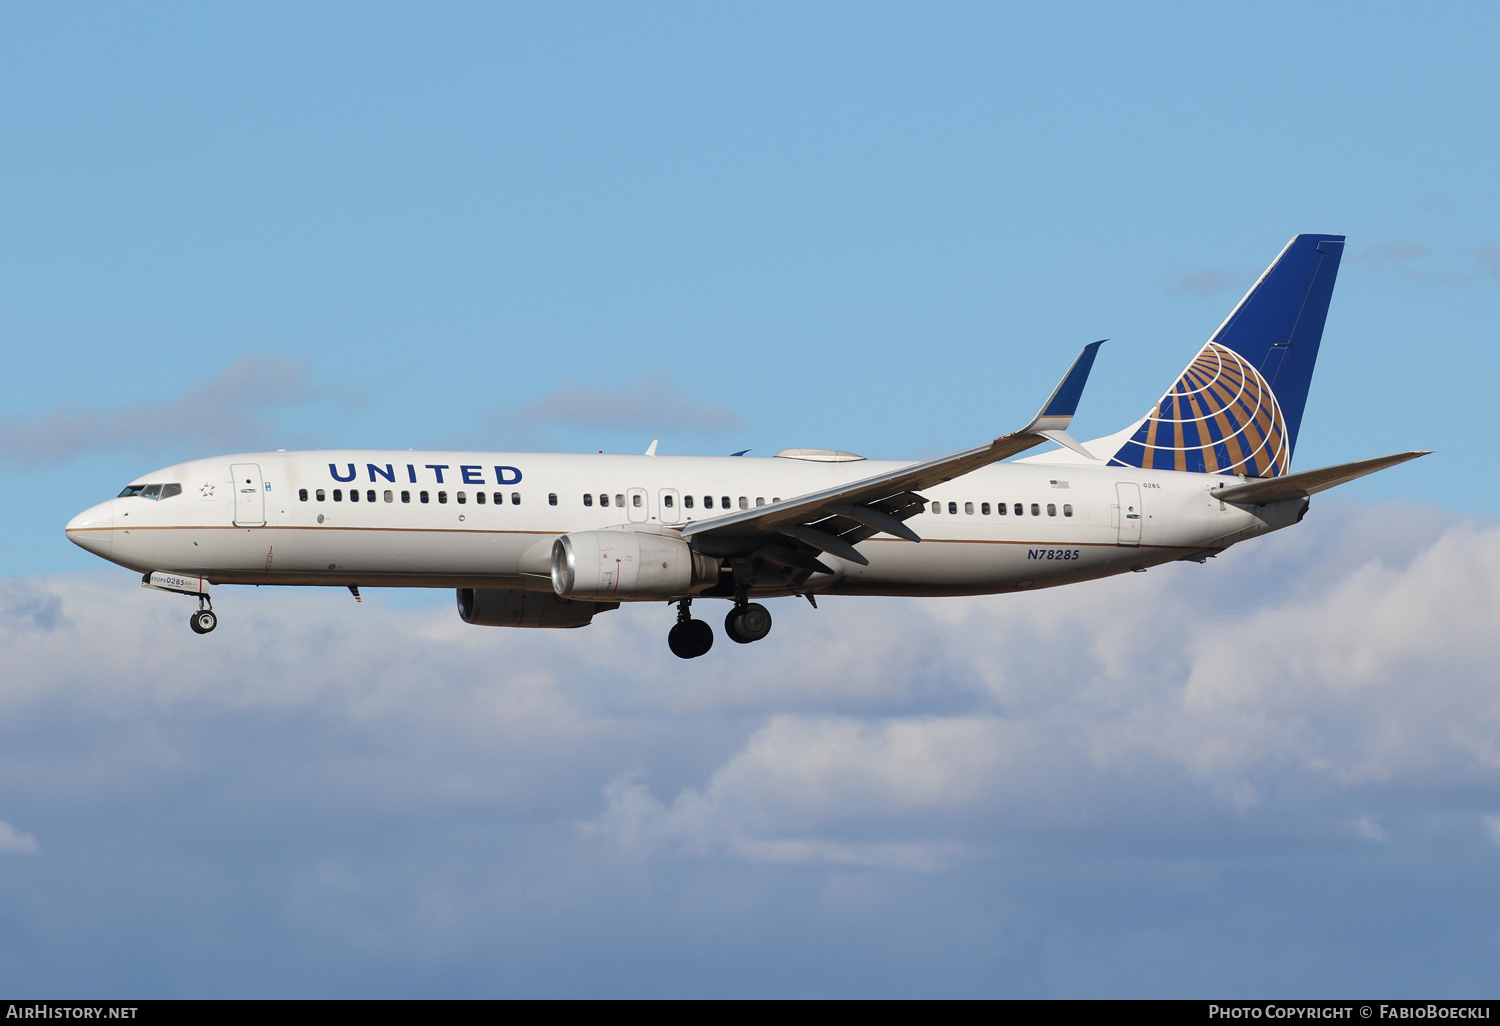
pixel 204 620
pixel 689 638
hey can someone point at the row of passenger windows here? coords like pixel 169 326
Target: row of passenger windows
pixel 668 500
pixel 371 495
pixel 166 491
pixel 1000 508
pixel 604 499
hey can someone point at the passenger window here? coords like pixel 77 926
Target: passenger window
pixel 1052 509
pixel 406 496
pixel 1036 510
pixel 759 501
pixel 462 498
pixel 552 499
pixel 969 508
pixel 169 490
pixel 723 502
pixel 666 500
pixel 588 499
pixel 984 509
pixel 744 502
pixel 635 500
pixel 422 496
pixel 1001 508
pixel 389 496
pixel 479 498
pixel 370 495
pixel 320 495
pixel 1019 509
pixel 302 494
pixel 777 499
pixel 442 496
pixel 708 502
pixel 353 495
pixel 687 502
pixel 937 507
pixel 515 498
pixel 952 507
pixel 619 500
pixel 1067 509
pixel 338 495
pixel 604 498
pixel 499 498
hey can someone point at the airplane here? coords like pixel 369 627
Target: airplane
pixel 552 540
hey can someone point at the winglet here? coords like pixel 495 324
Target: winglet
pixel 1057 412
pixel 651 449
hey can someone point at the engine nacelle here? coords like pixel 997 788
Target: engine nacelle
pixel 627 565
pixel 505 607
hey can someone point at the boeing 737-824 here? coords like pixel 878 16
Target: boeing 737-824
pixel 548 540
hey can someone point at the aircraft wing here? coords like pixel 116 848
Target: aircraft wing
pixel 836 519
pixel 1308 482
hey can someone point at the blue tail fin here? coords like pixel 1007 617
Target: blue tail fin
pixel 1238 406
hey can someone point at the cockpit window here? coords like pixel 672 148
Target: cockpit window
pixel 151 491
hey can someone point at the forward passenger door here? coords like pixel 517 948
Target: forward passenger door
pixel 249 495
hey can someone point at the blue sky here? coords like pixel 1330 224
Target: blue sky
pixel 875 227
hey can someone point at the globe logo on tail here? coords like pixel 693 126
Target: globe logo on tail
pixel 1221 417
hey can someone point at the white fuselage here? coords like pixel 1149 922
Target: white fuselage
pixel 258 518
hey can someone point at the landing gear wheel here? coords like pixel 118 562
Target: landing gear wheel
pixel 748 623
pixel 203 621
pixel 690 639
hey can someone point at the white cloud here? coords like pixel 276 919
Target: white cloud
pixel 1208 283
pixel 947 717
pixel 226 411
pixel 653 401
pixel 1418 263
pixel 414 782
pixel 653 405
pixel 1091 706
pixel 16 842
pixel 1384 254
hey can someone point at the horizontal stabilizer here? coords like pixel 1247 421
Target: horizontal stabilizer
pixel 1308 482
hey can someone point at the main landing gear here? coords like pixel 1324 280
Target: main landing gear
pixel 747 622
pixel 204 620
pixel 689 638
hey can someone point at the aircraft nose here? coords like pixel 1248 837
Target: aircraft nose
pixel 93 529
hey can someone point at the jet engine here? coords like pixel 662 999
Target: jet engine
pixel 505 607
pixel 628 565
